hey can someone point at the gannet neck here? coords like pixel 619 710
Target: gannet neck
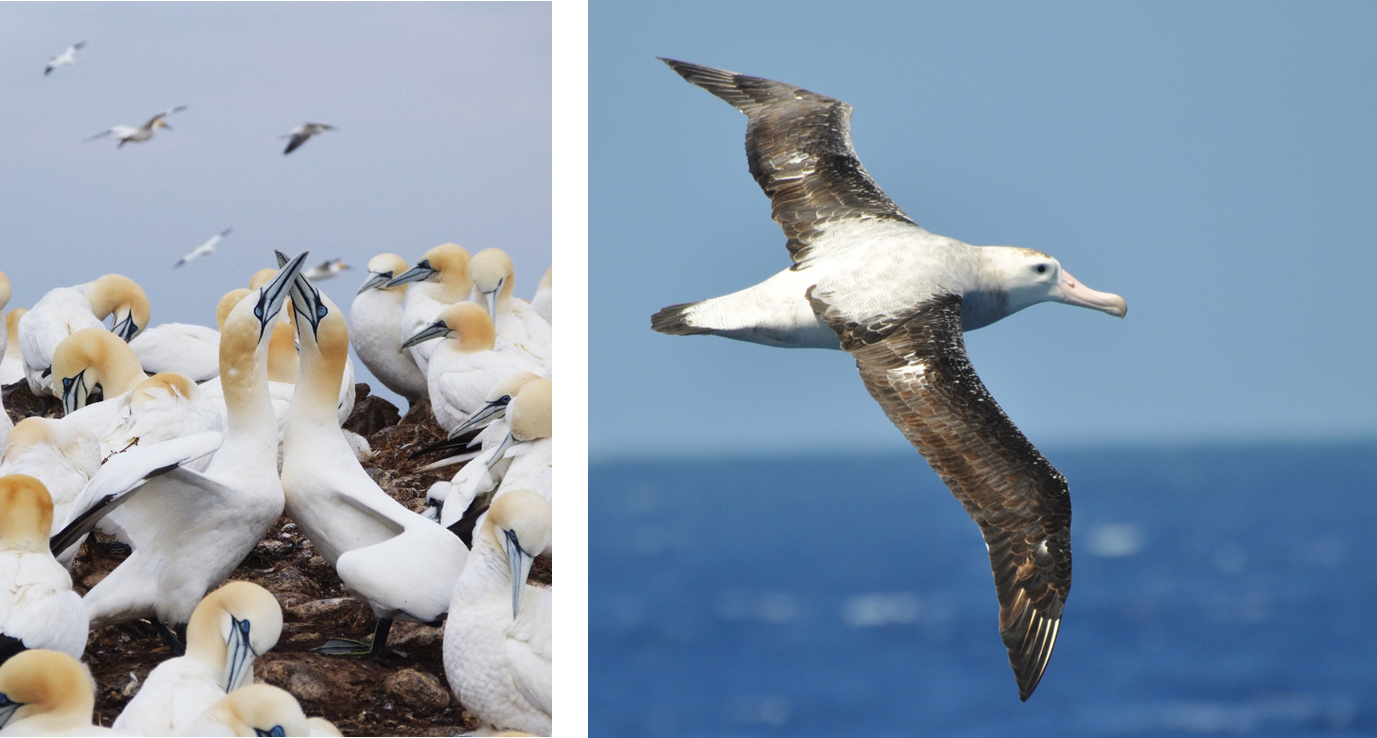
pixel 109 360
pixel 171 382
pixel 283 362
pixel 530 411
pixel 121 296
pixel 26 514
pixel 227 303
pixel 12 327
pixel 4 290
pixel 209 630
pixel 204 641
pixel 323 354
pixel 244 379
pixel 49 685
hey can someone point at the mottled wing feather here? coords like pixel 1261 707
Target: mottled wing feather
pixel 798 145
pixel 915 366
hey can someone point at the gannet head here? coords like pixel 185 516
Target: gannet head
pixel 248 327
pixel 499 397
pixel 92 364
pixel 26 514
pixel 233 626
pixel 47 683
pixel 122 297
pixel 467 320
pixel 261 277
pixel 381 269
pixel 519 524
pixel 232 298
pixel 491 272
pixel 447 263
pixel 530 411
pixel 261 710
pixel 163 384
pixel 1027 277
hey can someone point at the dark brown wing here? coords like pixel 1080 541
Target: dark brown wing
pixel 798 144
pixel 918 371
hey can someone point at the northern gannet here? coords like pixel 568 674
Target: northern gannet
pixel 90 365
pixel 185 348
pixel 402 564
pixel 12 365
pixel 65 59
pixel 375 328
pixel 515 320
pixel 230 628
pixel 189 530
pixel 302 133
pixel 469 361
pixel 63 456
pixel 65 310
pixel 326 270
pixel 497 637
pixel 442 279
pixel 870 281
pixel 205 249
pixel 125 134
pixel 38 608
pixel 47 693
pixel 544 300
pixel 253 710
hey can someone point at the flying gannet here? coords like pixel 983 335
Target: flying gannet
pixel 868 280
pixel 126 134
pixel 65 59
pixel 302 133
pixel 205 249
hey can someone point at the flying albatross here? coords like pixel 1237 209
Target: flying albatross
pixel 870 281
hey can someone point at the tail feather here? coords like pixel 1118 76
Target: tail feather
pixel 674 321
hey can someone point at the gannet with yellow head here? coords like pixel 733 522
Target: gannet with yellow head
pixel 47 693
pixel 253 710
pixel 375 329
pixel 493 280
pixel 65 310
pixel 38 608
pixel 442 279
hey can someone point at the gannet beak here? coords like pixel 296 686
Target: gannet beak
pixel 435 330
pixel 375 280
pixel 126 329
pixel 239 654
pixel 483 416
pixel 74 393
pixel 418 273
pixel 521 569
pixel 501 449
pixel 273 294
pixel 305 301
pixel 7 708
pixel 1075 293
pixel 277 730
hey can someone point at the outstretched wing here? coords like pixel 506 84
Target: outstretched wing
pixel 915 366
pixel 798 145
pixel 163 114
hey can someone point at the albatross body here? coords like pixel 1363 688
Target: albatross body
pixel 868 280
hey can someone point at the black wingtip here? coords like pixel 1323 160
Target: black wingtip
pixel 673 320
pixel 1031 654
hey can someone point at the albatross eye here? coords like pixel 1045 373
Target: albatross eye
pixel 1041 268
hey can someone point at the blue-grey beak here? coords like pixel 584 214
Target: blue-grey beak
pixel 7 708
pixel 125 329
pixel 272 295
pixel 239 654
pixel 306 302
pixel 437 329
pixel 74 392
pixel 376 280
pixel 483 416
pixel 419 273
pixel 521 569
pixel 501 449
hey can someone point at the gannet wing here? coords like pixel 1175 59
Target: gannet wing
pixel 529 648
pixel 297 140
pixel 124 473
pixel 164 114
pixel 102 134
pixel 798 145
pixel 915 366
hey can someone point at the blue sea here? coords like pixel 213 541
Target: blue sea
pixel 1221 591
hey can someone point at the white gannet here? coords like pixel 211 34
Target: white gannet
pixel 65 310
pixel 375 328
pixel 90 365
pixel 870 281
pixel 185 348
pixel 189 530
pixel 38 608
pixel 326 270
pixel 302 133
pixel 253 710
pixel 5 423
pixel 230 628
pixel 515 320
pixel 470 360
pixel 125 134
pixel 544 300
pixel 12 366
pixel 63 456
pixel 65 59
pixel 205 249
pixel 497 637
pixel 402 564
pixel 47 693
pixel 442 279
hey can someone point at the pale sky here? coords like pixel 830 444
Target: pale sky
pixel 444 134
pixel 1213 163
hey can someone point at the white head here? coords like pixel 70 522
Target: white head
pixel 1017 278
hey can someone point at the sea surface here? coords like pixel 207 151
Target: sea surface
pixel 1223 591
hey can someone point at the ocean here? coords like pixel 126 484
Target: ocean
pixel 1217 591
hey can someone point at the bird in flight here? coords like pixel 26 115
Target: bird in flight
pixel 303 133
pixel 125 134
pixel 65 59
pixel 205 249
pixel 325 270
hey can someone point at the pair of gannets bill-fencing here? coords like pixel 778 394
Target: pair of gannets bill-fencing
pixel 870 281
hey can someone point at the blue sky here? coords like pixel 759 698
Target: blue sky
pixel 1212 163
pixel 445 128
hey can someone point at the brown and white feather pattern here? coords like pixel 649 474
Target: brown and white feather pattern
pixel 798 145
pixel 915 366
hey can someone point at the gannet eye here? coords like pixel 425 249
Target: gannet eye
pixel 1041 268
pixel 66 383
pixel 321 310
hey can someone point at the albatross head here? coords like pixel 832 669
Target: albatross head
pixel 1026 277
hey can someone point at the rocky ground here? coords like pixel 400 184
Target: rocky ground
pixel 401 693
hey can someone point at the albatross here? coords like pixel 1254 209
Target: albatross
pixel 870 281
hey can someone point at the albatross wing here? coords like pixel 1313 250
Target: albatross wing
pixel 915 366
